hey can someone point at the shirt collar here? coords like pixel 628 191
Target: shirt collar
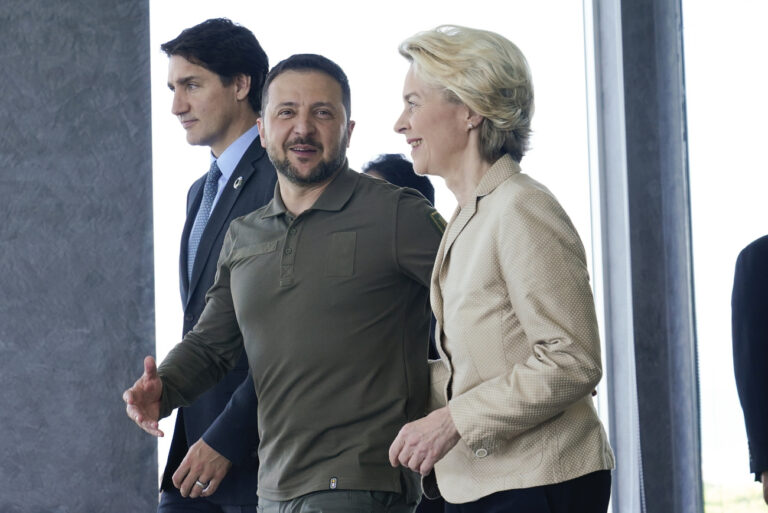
pixel 496 175
pixel 230 158
pixel 333 198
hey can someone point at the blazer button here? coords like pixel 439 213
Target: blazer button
pixel 189 317
pixel 481 453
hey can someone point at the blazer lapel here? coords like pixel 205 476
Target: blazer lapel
pixel 216 223
pixel 498 173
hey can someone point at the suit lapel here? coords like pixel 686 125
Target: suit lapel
pixel 216 223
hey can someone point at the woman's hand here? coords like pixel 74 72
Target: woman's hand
pixel 422 443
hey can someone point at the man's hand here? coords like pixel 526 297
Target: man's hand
pixel 201 471
pixel 764 479
pixel 142 400
pixel 422 443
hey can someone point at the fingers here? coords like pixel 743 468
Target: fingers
pixel 150 367
pixel 395 449
pixel 405 450
pixel 141 420
pixel 181 473
pixel 201 471
pixel 193 487
pixel 209 490
pixel 421 443
pixel 426 466
pixel 183 480
pixel 414 462
pixel 142 400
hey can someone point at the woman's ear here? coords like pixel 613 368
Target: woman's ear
pixel 474 119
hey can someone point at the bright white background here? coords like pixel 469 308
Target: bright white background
pixel 362 38
pixel 727 87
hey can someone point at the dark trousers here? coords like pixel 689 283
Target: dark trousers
pixel 171 501
pixel 585 494
pixel 431 505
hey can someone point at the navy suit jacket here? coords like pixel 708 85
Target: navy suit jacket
pixel 256 179
pixel 749 308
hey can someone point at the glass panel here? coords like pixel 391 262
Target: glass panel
pixel 727 107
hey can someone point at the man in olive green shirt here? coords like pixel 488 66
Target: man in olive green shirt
pixel 328 284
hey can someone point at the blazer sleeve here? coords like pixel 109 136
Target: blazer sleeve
pixel 235 432
pixel 749 322
pixel 542 263
pixel 210 350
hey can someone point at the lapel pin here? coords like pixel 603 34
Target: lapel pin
pixel 238 182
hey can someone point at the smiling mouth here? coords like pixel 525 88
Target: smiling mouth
pixel 414 143
pixel 304 150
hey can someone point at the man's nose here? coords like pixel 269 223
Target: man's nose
pixel 179 105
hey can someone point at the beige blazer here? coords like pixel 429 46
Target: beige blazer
pixel 519 343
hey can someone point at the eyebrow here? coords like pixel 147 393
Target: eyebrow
pixel 312 106
pixel 324 104
pixel 182 81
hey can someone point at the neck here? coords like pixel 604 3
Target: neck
pixel 238 127
pixel 300 197
pixel 464 178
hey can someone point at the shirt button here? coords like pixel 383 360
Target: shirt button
pixel 481 453
pixel 292 231
pixel 288 251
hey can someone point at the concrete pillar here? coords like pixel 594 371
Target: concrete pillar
pixel 76 264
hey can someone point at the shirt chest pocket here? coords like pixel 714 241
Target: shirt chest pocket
pixel 254 250
pixel 340 258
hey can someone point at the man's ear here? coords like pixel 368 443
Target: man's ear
pixel 242 86
pixel 350 127
pixel 260 126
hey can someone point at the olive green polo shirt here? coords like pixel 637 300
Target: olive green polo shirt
pixel 333 308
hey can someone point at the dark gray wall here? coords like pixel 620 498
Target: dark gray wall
pixel 77 307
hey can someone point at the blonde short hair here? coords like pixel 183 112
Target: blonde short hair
pixel 487 73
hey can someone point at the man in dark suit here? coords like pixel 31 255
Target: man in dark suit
pixel 750 351
pixel 216 73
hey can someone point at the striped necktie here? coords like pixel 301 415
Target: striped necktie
pixel 203 213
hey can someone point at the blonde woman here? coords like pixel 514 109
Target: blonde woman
pixel 513 426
